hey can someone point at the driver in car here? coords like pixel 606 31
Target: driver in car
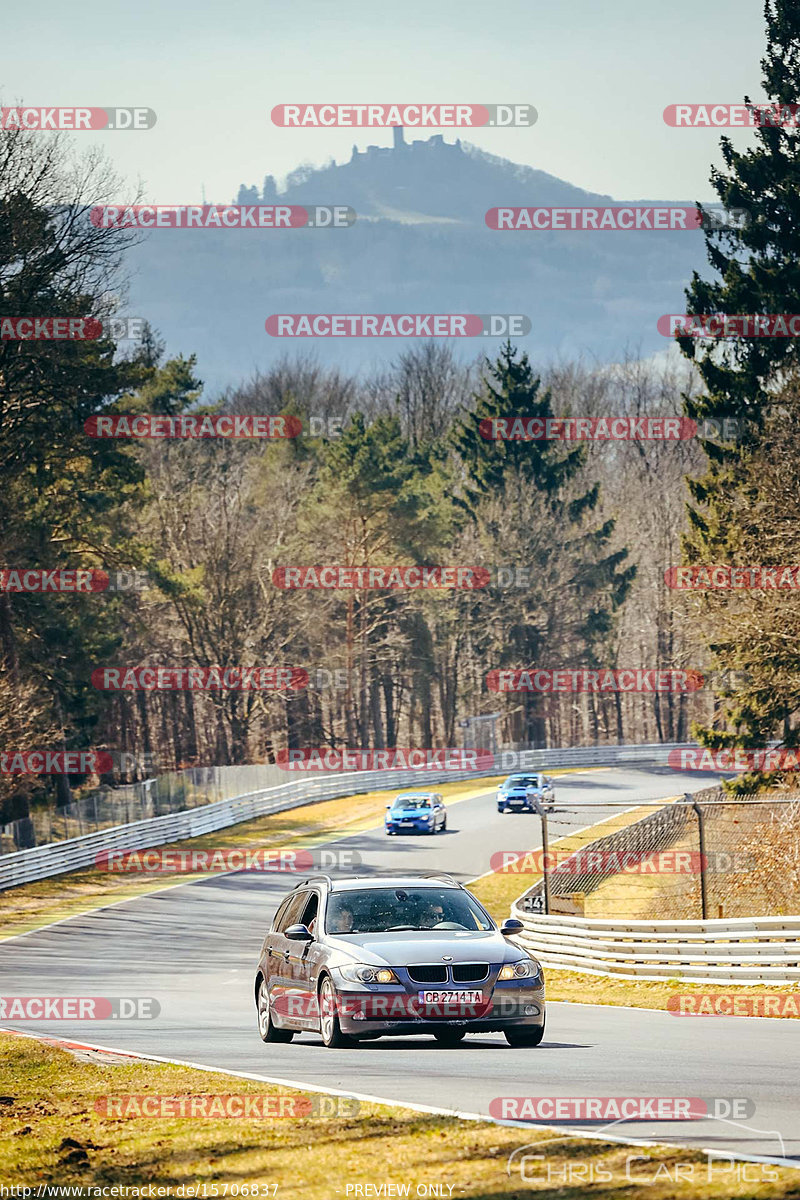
pixel 431 916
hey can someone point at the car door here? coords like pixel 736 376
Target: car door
pixel 304 961
pixel 279 967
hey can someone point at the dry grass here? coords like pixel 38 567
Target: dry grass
pixel 52 1135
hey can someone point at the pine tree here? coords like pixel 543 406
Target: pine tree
pixel 757 270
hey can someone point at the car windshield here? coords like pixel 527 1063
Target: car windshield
pixel 382 910
pixel 405 802
pixel 522 781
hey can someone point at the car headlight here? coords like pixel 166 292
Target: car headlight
pixel 358 973
pixel 526 968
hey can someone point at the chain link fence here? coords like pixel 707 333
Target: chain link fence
pixel 705 856
pixel 107 807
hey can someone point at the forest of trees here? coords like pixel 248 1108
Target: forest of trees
pixel 401 474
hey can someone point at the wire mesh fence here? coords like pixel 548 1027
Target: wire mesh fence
pixel 107 807
pixel 705 856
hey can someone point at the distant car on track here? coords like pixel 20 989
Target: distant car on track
pixel 416 812
pixel 516 793
pixel 361 958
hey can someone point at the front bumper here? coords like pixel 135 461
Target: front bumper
pixel 364 1011
pixel 414 827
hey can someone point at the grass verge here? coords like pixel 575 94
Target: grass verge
pixel 51 1135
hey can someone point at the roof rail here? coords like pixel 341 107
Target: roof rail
pixel 441 875
pixel 311 878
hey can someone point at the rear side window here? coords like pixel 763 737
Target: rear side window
pixel 289 912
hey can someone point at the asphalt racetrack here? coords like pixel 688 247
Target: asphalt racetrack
pixel 194 948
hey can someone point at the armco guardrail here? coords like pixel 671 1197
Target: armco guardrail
pixel 56 858
pixel 741 950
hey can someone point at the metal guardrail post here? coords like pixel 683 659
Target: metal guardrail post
pixel 701 833
pixel 545 856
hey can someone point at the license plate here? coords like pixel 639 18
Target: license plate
pixel 406 822
pixel 463 997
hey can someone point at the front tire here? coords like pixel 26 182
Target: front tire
pixel 530 1035
pixel 267 1031
pixel 329 1026
pixel 449 1037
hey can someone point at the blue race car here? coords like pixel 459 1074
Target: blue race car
pixel 517 792
pixel 416 812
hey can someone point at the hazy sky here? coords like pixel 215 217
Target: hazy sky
pixel 599 74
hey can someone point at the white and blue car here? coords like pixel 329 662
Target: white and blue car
pixel 416 812
pixel 516 794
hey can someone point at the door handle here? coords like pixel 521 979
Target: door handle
pixel 286 955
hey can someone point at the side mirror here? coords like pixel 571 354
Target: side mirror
pixel 298 933
pixel 388 806
pixel 509 927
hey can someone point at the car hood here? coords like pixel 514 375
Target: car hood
pixel 518 791
pixel 405 814
pixel 398 949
